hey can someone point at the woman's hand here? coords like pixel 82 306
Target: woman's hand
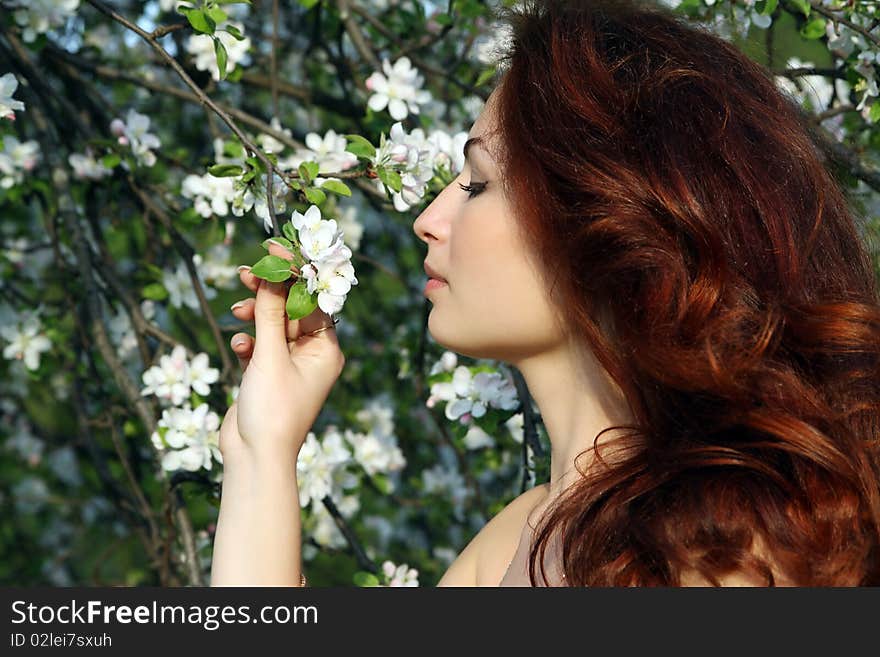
pixel 286 378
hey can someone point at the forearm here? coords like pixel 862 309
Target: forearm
pixel 258 541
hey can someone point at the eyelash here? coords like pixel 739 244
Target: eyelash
pixel 473 189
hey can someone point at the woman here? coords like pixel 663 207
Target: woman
pixel 645 229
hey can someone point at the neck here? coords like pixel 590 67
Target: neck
pixel 577 400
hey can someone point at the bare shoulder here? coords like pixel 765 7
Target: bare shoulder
pixel 494 544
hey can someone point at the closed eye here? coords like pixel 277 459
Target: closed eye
pixel 473 189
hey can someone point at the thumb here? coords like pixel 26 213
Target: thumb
pixel 270 317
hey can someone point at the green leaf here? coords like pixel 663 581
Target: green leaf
pixel 360 147
pixel 308 4
pixel 225 170
pixel 220 51
pixel 766 7
pixel 315 195
pixel 363 578
pixel 154 291
pixel 236 74
pixel 485 76
pixel 234 32
pixel 299 302
pixel 217 15
pixel 308 171
pixel 874 112
pixel 337 187
pixel 383 483
pixel 200 21
pixel 283 241
pixel 233 149
pixel 111 160
pixel 814 29
pixel 272 268
pixel 390 177
pixel 804 6
pixel 289 231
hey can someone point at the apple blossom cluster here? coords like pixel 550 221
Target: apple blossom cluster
pixel 212 268
pixel 214 195
pixel 329 273
pixel 401 575
pixel 8 104
pixel 121 331
pixel 332 464
pixel 16 159
pixel 86 167
pixel 187 438
pixel 447 482
pixel 36 17
pixel 201 47
pixel 399 89
pixel 470 394
pixel 25 336
pixel 175 377
pixel 134 132
pixel 416 157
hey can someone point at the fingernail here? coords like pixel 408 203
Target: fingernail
pixel 238 343
pixel 240 267
pixel 276 243
pixel 238 304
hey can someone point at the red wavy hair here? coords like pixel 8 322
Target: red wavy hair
pixel 692 236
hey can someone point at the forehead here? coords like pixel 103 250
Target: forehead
pixel 485 127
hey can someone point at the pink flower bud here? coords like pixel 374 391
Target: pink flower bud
pixel 117 127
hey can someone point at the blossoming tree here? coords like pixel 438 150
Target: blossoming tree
pixel 150 147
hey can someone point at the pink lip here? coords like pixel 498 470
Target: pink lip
pixel 433 284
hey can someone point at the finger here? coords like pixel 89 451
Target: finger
pixel 244 271
pixel 276 249
pixel 315 320
pixel 243 346
pixel 244 311
pixel 271 320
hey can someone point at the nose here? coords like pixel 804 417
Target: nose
pixel 433 222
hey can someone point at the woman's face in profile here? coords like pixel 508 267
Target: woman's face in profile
pixel 494 304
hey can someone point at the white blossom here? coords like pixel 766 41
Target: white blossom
pixel 180 285
pixel 122 332
pixel 27 340
pixel 476 438
pixel 470 395
pixel 169 380
pixel 134 132
pixel 214 266
pixel 25 443
pixel 191 438
pixel 316 464
pixel 16 159
pixel 211 195
pixel 86 167
pixel 37 17
pixel 331 279
pixel 401 575
pixel 270 144
pixel 447 363
pixel 201 47
pixel 399 89
pixel 414 156
pixel 350 227
pixel 328 152
pixel 8 85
